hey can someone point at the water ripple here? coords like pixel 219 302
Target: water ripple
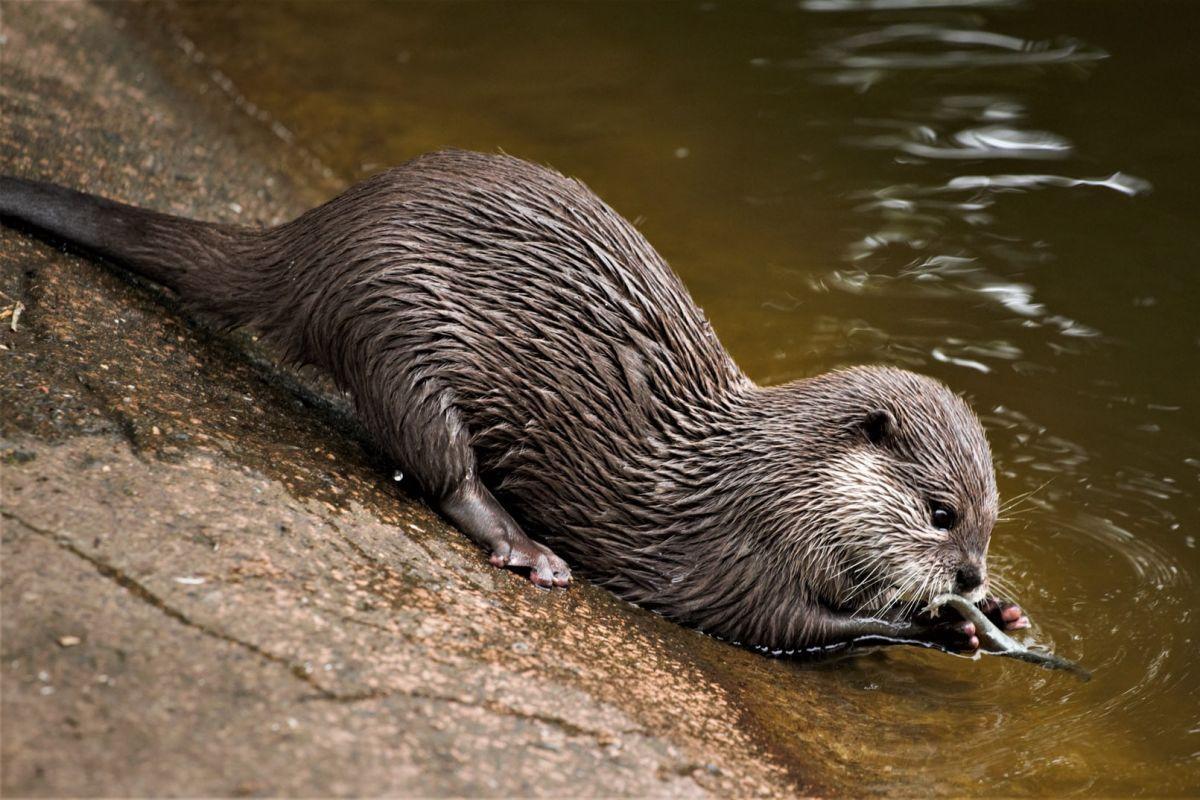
pixel 860 59
pixel 986 142
pixel 899 5
pixel 1128 185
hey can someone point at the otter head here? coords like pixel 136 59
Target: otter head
pixel 906 495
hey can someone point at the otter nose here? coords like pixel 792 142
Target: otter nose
pixel 967 578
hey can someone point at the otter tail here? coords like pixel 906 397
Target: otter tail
pixel 166 249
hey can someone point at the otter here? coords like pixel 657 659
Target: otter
pixel 522 351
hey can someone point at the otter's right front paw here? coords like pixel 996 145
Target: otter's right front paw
pixel 545 569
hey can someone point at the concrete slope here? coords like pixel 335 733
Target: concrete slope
pixel 211 586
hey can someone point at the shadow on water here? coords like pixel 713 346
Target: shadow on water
pixel 1000 194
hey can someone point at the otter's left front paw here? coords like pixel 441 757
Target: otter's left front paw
pixel 1005 615
pixel 958 635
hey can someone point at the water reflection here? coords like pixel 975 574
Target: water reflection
pixel 863 59
pixel 993 141
pixel 951 221
pixel 1128 185
pixel 899 5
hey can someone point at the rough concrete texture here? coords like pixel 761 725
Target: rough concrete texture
pixel 211 586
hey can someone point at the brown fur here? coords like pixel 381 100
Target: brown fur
pixel 502 332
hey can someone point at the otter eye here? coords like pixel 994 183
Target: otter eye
pixel 942 516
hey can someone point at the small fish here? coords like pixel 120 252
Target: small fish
pixel 999 643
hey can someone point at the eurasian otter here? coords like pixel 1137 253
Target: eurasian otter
pixel 525 354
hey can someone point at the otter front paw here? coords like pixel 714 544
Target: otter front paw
pixel 957 635
pixel 545 568
pixel 1004 614
pixel 960 635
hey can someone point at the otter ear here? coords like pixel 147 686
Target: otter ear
pixel 878 426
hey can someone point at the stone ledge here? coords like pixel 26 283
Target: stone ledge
pixel 211 587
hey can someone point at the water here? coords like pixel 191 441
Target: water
pixel 999 194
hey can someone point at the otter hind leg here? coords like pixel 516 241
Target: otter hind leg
pixel 479 514
pixel 417 423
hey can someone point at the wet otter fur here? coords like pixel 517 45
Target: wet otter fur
pixel 522 351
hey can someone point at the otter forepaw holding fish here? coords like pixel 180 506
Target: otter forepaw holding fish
pixel 1006 615
pixel 956 633
pixel 982 617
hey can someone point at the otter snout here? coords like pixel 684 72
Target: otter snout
pixel 969 580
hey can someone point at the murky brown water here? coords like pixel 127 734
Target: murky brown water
pixel 999 194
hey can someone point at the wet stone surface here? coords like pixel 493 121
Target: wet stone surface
pixel 211 585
